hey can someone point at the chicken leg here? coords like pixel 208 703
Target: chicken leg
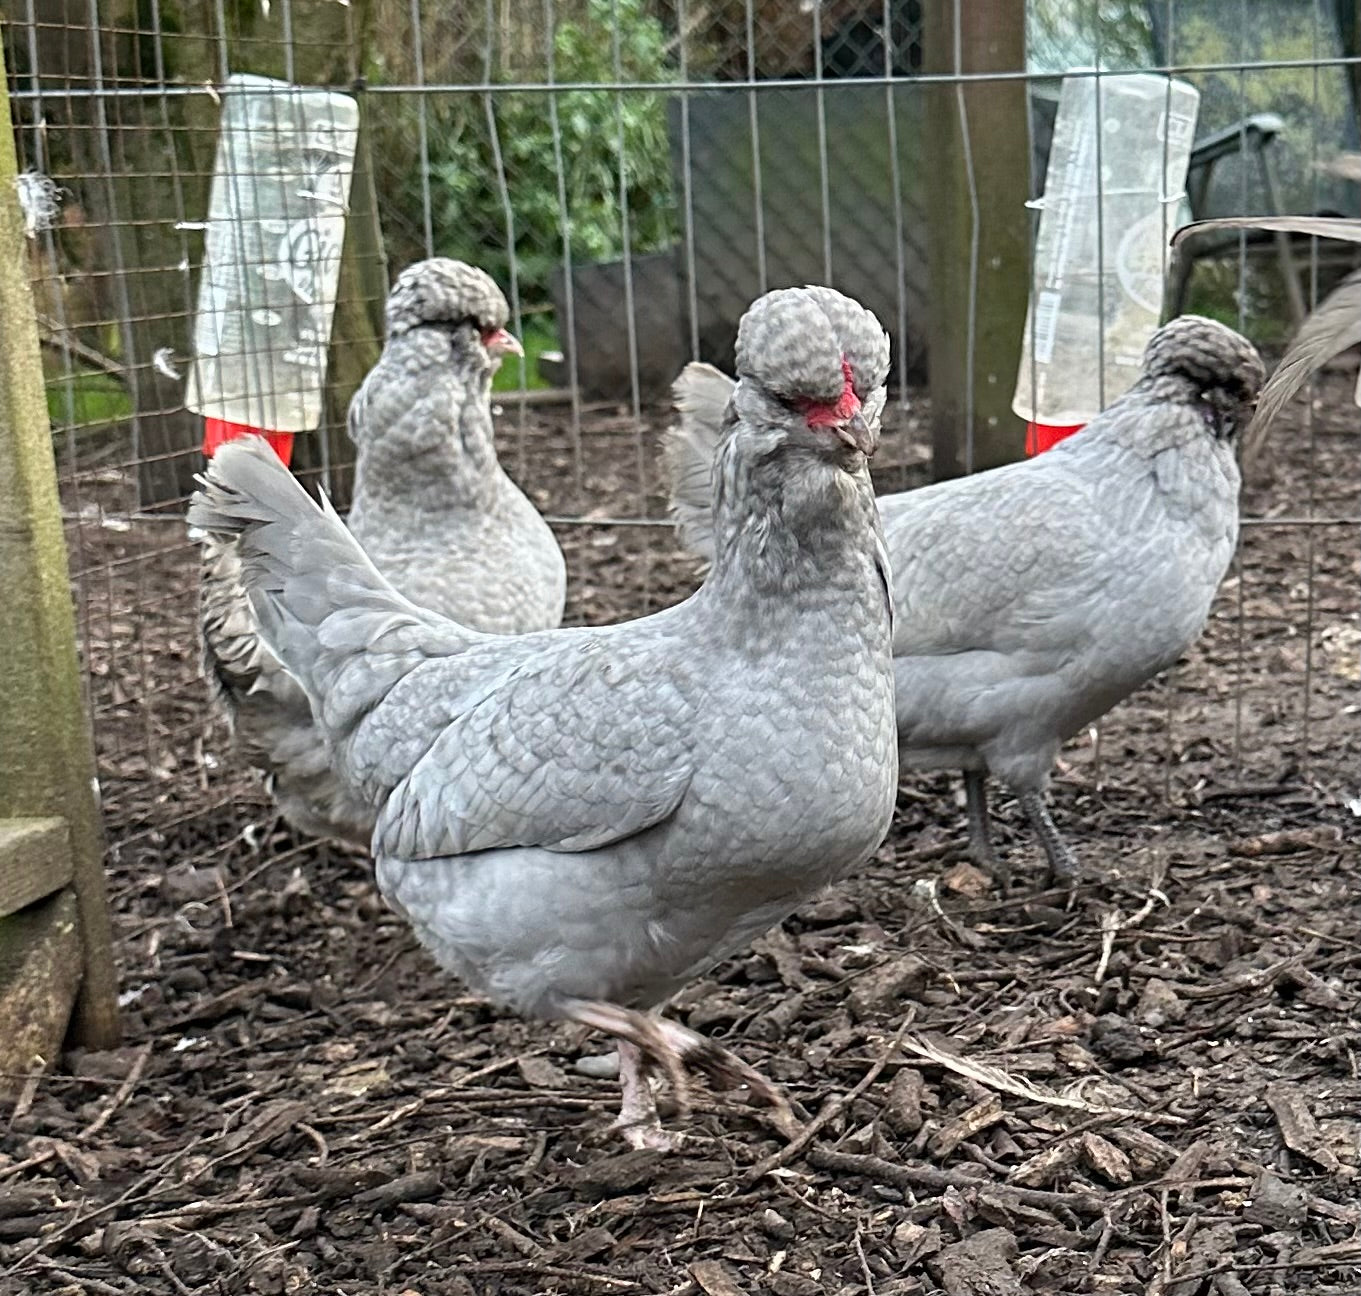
pixel 1062 861
pixel 637 1119
pixel 646 1041
pixel 980 832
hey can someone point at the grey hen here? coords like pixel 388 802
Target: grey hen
pixel 433 508
pixel 432 505
pixel 1033 598
pixel 578 822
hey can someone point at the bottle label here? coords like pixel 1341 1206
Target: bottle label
pixel 1046 324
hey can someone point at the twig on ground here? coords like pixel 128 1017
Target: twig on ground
pixel 831 1109
pixel 50 1239
pixel 864 1262
pixel 1250 980
pixel 1112 924
pixel 124 1091
pixel 904 1176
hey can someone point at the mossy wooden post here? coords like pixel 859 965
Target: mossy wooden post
pixel 983 122
pixel 357 333
pixel 50 833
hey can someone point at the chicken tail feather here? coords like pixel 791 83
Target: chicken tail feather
pixel 322 607
pixel 701 396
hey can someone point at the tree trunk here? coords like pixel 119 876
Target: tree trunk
pixel 140 166
pixel 978 158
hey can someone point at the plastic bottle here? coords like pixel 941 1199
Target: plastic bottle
pixel 267 292
pixel 1100 257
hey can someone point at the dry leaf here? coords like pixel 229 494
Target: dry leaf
pixel 715 1278
pixel 966 880
pixel 1044 1167
pixel 995 1078
pixel 1299 1129
pixel 965 1126
pixel 1288 841
pixel 360 1079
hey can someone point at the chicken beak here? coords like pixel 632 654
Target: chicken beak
pixel 857 434
pixel 500 342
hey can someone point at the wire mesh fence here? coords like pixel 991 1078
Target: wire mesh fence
pixel 633 173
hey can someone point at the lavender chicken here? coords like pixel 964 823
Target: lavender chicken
pixel 432 507
pixel 1033 598
pixel 578 822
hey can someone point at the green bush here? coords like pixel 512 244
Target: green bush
pixel 467 201
pixel 86 398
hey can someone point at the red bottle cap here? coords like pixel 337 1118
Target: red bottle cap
pixel 217 432
pixel 1040 437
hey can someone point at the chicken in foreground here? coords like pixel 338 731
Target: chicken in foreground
pixel 432 507
pixel 578 822
pixel 1032 598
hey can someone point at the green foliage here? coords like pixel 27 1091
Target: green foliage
pixel 1216 292
pixel 1061 34
pixel 1315 103
pixel 86 398
pixel 468 204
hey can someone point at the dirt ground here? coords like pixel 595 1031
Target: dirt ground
pixel 1154 1088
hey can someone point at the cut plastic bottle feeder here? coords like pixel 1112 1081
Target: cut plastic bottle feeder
pixel 271 262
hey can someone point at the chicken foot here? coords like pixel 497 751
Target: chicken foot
pixel 1062 862
pixel 646 1042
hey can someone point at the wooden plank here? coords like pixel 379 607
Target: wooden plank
pixel 984 123
pixel 35 860
pixel 39 979
pixel 46 760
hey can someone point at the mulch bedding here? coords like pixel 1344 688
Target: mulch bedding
pixel 1151 1086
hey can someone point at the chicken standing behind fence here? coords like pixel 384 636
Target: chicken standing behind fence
pixel 432 506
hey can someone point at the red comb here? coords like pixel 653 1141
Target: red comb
pixel 834 413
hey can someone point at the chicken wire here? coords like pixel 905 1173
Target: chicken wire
pixel 632 172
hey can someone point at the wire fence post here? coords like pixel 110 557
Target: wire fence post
pixel 56 961
pixel 978 157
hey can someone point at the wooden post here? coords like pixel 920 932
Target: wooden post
pixel 357 332
pixel 1349 20
pixel 46 762
pixel 983 122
